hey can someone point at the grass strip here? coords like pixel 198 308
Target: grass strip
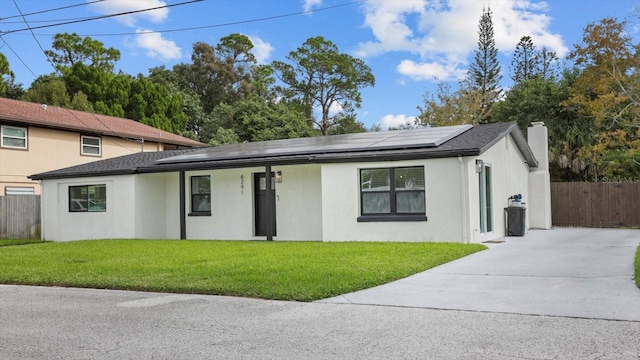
pixel 12 242
pixel 301 271
pixel 638 267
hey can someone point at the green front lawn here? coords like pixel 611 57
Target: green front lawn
pixel 302 271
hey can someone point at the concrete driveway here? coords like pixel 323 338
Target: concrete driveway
pixel 569 272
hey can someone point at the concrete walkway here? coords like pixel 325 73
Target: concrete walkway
pixel 569 272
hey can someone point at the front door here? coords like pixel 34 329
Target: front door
pixel 264 208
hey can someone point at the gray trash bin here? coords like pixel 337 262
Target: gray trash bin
pixel 516 218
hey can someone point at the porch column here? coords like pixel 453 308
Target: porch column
pixel 183 215
pixel 268 202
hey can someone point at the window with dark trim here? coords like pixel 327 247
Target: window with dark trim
pixel 13 137
pixel 486 201
pixel 200 195
pixel 88 198
pixel 392 194
pixel 91 145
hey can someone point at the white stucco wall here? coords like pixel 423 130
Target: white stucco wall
pixel 231 206
pixel 172 204
pixel 118 221
pixel 341 204
pixel 510 175
pixel 298 205
pixel 151 208
pixel 313 202
pixel 452 198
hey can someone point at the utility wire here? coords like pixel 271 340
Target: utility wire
pixel 19 58
pixel 99 17
pixel 223 24
pixel 34 35
pixel 50 10
pixel 45 21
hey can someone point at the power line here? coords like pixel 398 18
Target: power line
pixel 46 21
pixel 225 24
pixel 99 17
pixel 19 58
pixel 32 34
pixel 50 10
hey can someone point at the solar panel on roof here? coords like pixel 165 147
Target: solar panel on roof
pixel 384 140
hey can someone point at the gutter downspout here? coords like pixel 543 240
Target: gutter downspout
pixel 464 200
pixel 183 216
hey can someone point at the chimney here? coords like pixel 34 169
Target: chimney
pixel 539 202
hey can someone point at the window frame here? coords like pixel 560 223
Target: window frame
pixel 88 208
pixel 3 137
pixel 195 195
pixel 485 182
pixel 393 191
pixel 19 190
pixel 83 145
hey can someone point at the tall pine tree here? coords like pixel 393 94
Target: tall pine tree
pixel 528 63
pixel 484 73
pixel 525 61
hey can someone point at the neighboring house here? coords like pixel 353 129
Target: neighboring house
pixel 428 184
pixel 36 138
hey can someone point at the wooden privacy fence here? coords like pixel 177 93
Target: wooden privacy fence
pixel 598 205
pixel 20 217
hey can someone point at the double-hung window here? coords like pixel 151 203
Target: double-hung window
pixel 13 137
pixel 392 194
pixel 90 145
pixel 88 198
pixel 200 195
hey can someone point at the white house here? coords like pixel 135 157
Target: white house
pixel 430 184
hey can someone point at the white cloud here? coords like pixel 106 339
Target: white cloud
pixel 395 121
pixel 309 4
pixel 430 71
pixel 444 33
pixel 262 50
pixel 118 6
pixel 157 47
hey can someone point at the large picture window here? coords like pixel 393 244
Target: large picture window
pixel 201 195
pixel 88 198
pixel 91 145
pixel 13 137
pixel 395 194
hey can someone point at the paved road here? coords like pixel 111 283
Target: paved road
pixel 62 323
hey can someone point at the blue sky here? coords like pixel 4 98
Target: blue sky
pixel 407 43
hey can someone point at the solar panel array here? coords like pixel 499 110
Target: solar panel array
pixel 370 141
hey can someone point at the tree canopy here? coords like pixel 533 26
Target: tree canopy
pixel 318 75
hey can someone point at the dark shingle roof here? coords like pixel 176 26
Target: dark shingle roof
pixel 471 142
pixel 27 113
pixel 121 165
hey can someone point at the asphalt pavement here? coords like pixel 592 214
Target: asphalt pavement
pixel 490 305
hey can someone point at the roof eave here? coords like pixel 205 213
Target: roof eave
pixel 520 141
pixel 85 130
pixel 46 176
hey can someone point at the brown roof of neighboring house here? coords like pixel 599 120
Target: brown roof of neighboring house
pixel 55 117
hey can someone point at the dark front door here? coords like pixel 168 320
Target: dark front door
pixel 264 210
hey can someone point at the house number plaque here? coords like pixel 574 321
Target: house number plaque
pixel 241 184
